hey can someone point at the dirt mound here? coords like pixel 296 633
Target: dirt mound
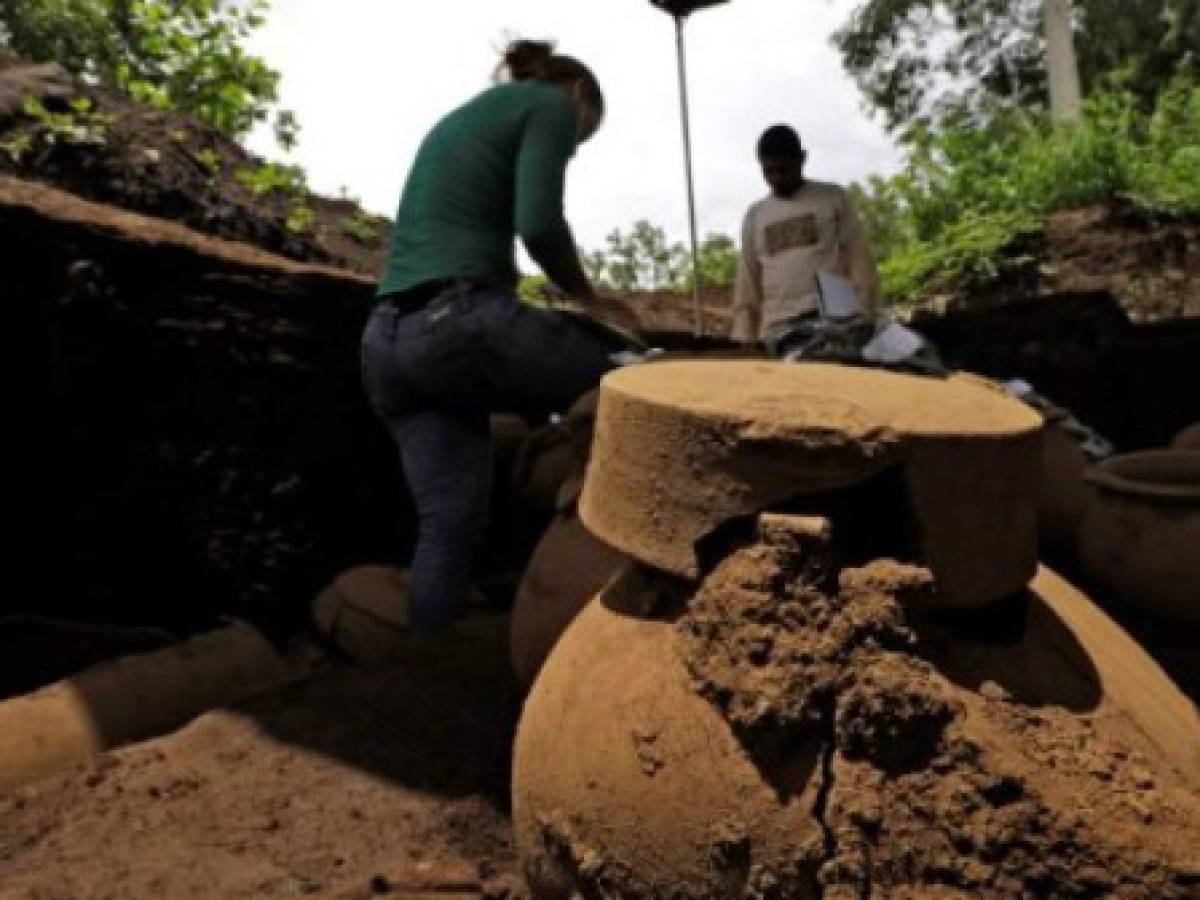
pixel 778 662
pixel 98 144
pixel 1148 260
pixel 374 782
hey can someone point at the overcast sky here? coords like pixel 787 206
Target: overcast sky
pixel 367 79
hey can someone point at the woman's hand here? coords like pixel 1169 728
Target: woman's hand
pixel 614 312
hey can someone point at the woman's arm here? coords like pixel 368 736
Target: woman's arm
pixel 551 134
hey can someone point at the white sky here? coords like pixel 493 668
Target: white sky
pixel 367 78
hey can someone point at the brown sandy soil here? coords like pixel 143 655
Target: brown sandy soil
pixel 1149 262
pixel 359 783
pixel 674 311
pixel 169 165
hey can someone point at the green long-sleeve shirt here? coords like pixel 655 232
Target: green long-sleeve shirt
pixel 492 170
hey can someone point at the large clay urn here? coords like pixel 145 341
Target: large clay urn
pixel 1188 439
pixel 569 565
pixel 760 716
pixel 1062 494
pixel 567 570
pixel 1140 540
pixel 629 782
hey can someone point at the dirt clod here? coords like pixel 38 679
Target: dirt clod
pixel 931 789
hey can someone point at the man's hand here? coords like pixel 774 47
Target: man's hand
pixel 49 81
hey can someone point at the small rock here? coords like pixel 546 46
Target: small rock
pixel 990 690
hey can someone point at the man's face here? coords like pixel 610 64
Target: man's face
pixel 785 175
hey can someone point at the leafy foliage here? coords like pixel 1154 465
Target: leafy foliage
pixel 288 182
pixel 362 227
pixel 643 260
pixel 922 62
pixel 966 193
pixel 183 54
pixel 536 290
pixel 719 258
pixel 270 178
pixel 80 123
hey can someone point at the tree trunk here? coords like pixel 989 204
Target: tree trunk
pixel 1066 103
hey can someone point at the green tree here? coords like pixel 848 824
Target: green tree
pixel 642 259
pixel 921 61
pixel 179 54
pixel 719 259
pixel 966 194
pixel 638 260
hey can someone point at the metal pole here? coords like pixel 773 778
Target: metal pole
pixel 691 186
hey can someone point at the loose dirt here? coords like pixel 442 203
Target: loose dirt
pixel 388 782
pixel 934 789
pixel 794 729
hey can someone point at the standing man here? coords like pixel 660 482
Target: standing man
pixel 803 227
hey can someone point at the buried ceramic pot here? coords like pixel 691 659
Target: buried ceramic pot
pixel 703 741
pixel 1062 494
pixel 132 698
pixel 567 569
pixel 1188 439
pixel 1140 538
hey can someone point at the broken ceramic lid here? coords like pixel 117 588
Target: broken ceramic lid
pixel 682 449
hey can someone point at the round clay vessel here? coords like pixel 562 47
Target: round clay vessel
pixel 566 570
pixel 628 783
pixel 622 772
pixel 131 698
pixel 1140 538
pixel 1188 439
pixel 1062 493
pixel 541 466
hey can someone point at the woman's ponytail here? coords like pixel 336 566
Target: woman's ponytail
pixel 536 61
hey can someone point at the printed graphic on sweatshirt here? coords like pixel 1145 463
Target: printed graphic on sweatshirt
pixel 788 234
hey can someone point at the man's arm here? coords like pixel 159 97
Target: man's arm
pixel 856 254
pixel 747 292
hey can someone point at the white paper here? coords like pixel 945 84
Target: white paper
pixel 893 344
pixel 837 296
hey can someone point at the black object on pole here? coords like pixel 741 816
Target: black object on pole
pixel 683 8
pixel 680 10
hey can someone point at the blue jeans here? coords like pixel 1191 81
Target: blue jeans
pixel 434 376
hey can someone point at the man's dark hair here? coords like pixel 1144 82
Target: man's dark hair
pixel 780 142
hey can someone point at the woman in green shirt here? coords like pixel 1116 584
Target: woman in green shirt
pixel 449 342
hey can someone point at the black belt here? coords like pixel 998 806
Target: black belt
pixel 419 296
